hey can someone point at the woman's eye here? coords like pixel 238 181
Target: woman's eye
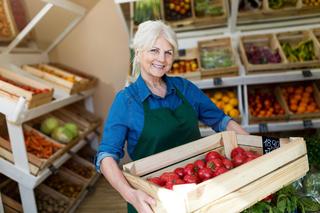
pixel 169 53
pixel 154 51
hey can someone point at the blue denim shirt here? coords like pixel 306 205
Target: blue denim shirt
pixel 126 116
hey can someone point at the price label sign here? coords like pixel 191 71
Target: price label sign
pixel 269 144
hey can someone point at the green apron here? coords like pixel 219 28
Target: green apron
pixel 165 129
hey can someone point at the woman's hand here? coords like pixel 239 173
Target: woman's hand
pixel 142 201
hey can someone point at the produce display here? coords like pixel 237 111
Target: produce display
pixel 80 169
pixel 146 10
pixel 207 8
pixel 11 190
pixel 66 187
pixel 70 78
pixel 248 5
pixel 215 58
pixel 5 29
pixel 39 145
pixel 87 153
pixel 225 100
pixel 175 10
pixel 63 133
pixel 48 204
pixel 262 54
pixel 184 66
pixel 25 87
pixel 313 3
pixel 300 98
pixel 201 170
pixel 303 51
pixel 288 199
pixel 313 147
pixel 263 103
pixel 278 4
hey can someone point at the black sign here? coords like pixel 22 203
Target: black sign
pixel 306 73
pixel 263 128
pixel 307 124
pixel 269 144
pixel 182 52
pixel 217 81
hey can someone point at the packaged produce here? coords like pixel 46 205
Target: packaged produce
pixel 208 8
pixel 216 58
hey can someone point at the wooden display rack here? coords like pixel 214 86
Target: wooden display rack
pixel 295 38
pixel 268 40
pixel 232 191
pixel 13 92
pixel 218 44
pixel 79 84
pixel 277 93
pixel 189 54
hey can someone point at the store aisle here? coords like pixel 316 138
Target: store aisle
pixel 103 199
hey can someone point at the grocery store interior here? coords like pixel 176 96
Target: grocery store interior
pixel 62 62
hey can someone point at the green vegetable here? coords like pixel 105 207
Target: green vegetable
pixel 216 58
pixel 207 8
pixel 62 135
pixel 313 149
pixel 73 128
pixel 48 125
pixel 303 51
pixel 146 10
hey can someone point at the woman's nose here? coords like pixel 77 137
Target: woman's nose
pixel 161 57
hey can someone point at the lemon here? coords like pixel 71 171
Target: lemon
pixel 217 95
pixel 233 102
pixel 225 99
pixel 234 113
pixel 227 108
pixel 231 94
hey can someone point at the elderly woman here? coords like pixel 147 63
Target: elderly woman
pixel 155 113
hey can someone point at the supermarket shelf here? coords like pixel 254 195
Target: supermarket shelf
pixel 285 76
pixel 216 83
pixel 271 127
pixel 31 181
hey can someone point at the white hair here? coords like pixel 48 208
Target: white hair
pixel 146 36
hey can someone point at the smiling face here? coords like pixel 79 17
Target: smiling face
pixel 157 61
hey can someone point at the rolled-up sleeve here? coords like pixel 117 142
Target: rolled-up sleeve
pixel 114 132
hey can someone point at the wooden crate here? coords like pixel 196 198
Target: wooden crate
pixel 10 196
pixel 221 104
pixel 286 10
pixel 270 172
pixel 70 83
pixel 272 91
pixel 294 38
pixel 87 153
pixel 63 177
pixel 268 40
pixel 187 54
pixel 36 164
pixel 307 115
pixel 76 161
pixel 8 29
pixel 222 44
pixel 216 20
pixel 12 91
pixel 92 81
pixel 316 33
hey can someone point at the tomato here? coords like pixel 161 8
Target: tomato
pixel 213 155
pixel 169 176
pixel 236 151
pixel 189 169
pixel 205 174
pixel 227 163
pixel 238 160
pixel 157 180
pixel 169 185
pixel 179 171
pixel 251 154
pixel 210 165
pixel 217 162
pixel 191 179
pixel 250 159
pixel 220 170
pixel 199 164
pixel 179 181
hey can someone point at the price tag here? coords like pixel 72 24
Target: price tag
pixel 306 73
pixel 269 144
pixel 307 124
pixel 53 169
pixel 217 81
pixel 263 127
pixel 182 52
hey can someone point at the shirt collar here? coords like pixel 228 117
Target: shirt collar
pixel 144 91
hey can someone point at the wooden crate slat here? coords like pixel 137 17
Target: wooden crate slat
pixel 252 193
